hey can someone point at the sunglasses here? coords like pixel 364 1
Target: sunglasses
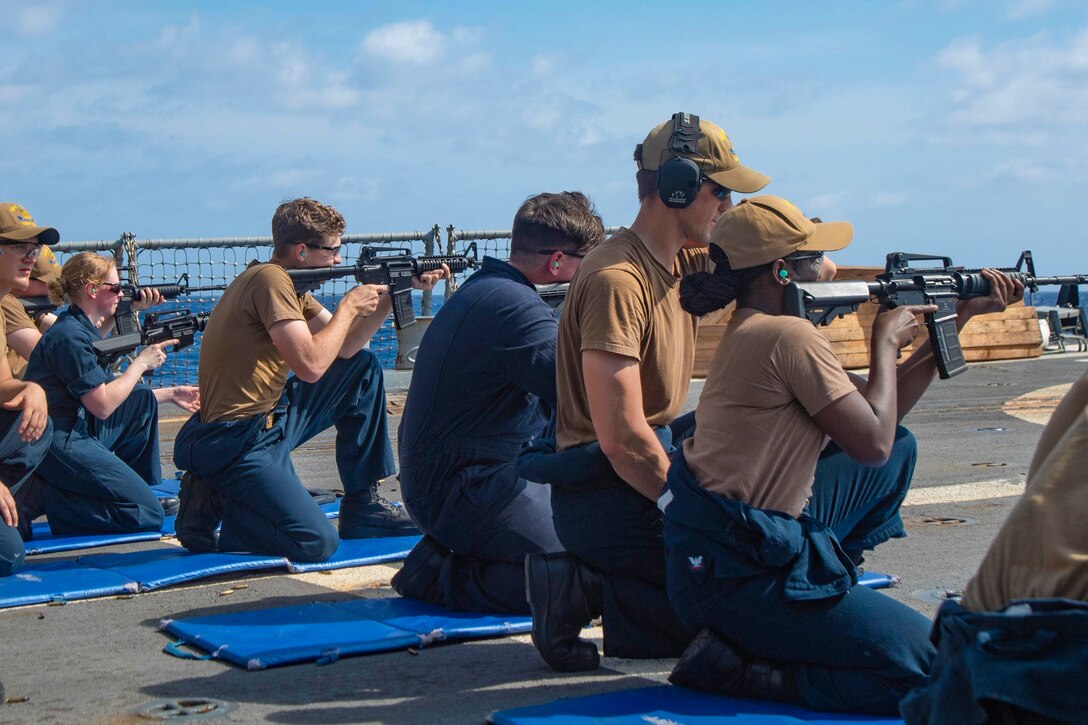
pixel 803 256
pixel 114 287
pixel 553 251
pixel 26 249
pixel 721 193
pixel 334 250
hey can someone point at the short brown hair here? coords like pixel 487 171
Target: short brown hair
pixel 76 273
pixel 566 221
pixel 304 220
pixel 647 184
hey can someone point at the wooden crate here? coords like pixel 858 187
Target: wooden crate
pixel 1011 335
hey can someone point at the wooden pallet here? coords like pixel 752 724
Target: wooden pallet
pixel 1011 335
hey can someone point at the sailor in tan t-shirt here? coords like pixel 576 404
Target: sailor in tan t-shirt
pixel 24 331
pixel 1015 649
pixel 237 450
pixel 25 429
pixel 625 357
pixel 764 526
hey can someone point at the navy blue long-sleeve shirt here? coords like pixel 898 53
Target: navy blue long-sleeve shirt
pixel 484 379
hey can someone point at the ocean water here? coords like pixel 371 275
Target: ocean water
pixel 181 367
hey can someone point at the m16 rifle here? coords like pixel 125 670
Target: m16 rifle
pixel 125 322
pixel 392 266
pixel 180 325
pixel 37 305
pixel 904 284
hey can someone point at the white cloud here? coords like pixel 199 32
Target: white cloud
pixel 543 65
pixel 826 206
pixel 414 42
pixel 1034 81
pixel 38 20
pixel 1020 9
pixel 889 198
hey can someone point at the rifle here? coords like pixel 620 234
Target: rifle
pixel 903 284
pixel 393 266
pixel 180 325
pixel 553 294
pixel 125 321
pixel 36 305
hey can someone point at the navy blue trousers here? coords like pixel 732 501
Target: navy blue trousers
pixel 1024 665
pixel 489 519
pixel 617 531
pixel 859 652
pixel 17 461
pixel 266 509
pixel 100 471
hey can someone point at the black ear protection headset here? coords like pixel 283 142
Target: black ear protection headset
pixel 679 178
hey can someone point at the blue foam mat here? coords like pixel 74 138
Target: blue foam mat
pixel 668 704
pixel 325 631
pixel 98 575
pixel 45 542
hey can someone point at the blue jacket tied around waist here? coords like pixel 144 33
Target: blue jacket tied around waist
pixel 733 540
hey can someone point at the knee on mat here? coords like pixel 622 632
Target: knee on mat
pixel 317 547
pixel 11 560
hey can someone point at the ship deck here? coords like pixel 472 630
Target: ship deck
pixel 94 661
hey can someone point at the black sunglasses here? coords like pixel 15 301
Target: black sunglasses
pixel 311 245
pixel 721 193
pixel 553 251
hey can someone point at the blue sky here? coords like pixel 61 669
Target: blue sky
pixel 955 127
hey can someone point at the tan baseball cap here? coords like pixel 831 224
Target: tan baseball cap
pixel 46 267
pixel 17 225
pixel 715 155
pixel 764 228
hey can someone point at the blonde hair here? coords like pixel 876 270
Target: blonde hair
pixel 76 273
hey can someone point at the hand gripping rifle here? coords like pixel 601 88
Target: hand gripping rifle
pixel 126 322
pixel 903 284
pixel 393 266
pixel 180 325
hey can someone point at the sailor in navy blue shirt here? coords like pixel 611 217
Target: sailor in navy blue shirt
pixel 104 456
pixel 483 387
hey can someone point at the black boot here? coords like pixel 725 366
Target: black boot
pixel 199 512
pixel 564 596
pixel 419 577
pixel 713 664
pixel 170 505
pixel 29 504
pixel 367 515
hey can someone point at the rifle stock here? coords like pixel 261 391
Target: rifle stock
pixel 904 284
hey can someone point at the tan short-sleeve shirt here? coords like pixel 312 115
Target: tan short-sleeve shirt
pixel 624 301
pixel 15 319
pixel 755 440
pixel 241 373
pixel 1042 549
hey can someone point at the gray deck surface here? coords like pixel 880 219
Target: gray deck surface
pixel 93 661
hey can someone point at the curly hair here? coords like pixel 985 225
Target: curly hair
pixel 704 292
pixel 304 220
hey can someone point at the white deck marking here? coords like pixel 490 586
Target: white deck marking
pixel 958 492
pixel 1036 406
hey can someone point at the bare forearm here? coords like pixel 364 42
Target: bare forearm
pixel 881 391
pixel 363 328
pixel 641 462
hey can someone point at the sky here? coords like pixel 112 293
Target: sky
pixel 951 127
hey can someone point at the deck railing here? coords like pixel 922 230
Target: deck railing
pixel 212 262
